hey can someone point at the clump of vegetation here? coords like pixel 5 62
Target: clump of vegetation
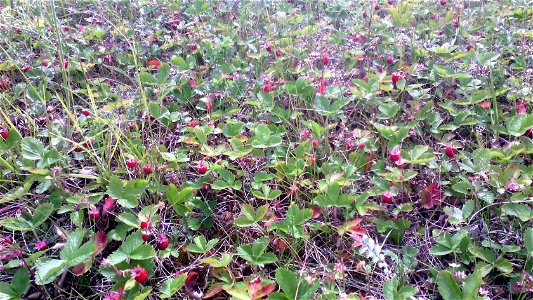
pixel 276 150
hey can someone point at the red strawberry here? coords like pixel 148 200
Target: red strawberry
pixel 322 88
pixel 131 126
pixel 139 274
pixel 26 69
pixel 162 242
pixel 147 168
pixel 40 246
pixel 209 104
pixel 387 197
pixel 469 47
pixel 278 52
pixel 267 88
pixel 4 133
pixel 94 214
pixel 145 225
pixel 85 112
pixel 174 26
pixel 193 47
pixel 395 154
pixel 396 76
pixel 268 47
pixel 376 7
pixel 65 63
pixel 442 2
pixel 305 134
pixel 109 203
pixel 314 143
pixel 193 124
pixel 44 63
pixel 390 60
pixel 451 151
pixel 107 59
pixel 202 168
pixel 325 59
pixel 146 236
pixel 131 163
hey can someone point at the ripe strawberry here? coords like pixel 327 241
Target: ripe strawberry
pixel 65 64
pixel 109 203
pixel 395 154
pixel 147 168
pixel 131 163
pixel 305 134
pixel 174 26
pixel 44 63
pixel 107 59
pixel 396 76
pixel 268 47
pixel 365 14
pixel 193 47
pixel 376 7
pixel 202 168
pixel 469 47
pixel 390 60
pixel 314 142
pixel 456 23
pixel 40 246
pixel 267 88
pixel 442 2
pixel 451 151
pixel 66 28
pixel 26 69
pixel 278 52
pixel 218 95
pixel 193 124
pixel 209 104
pixel 131 126
pixel 146 236
pixel 145 225
pixel 85 112
pixel 325 60
pixel 387 197
pixel 4 133
pixel 18 31
pixel 139 274
pixel 42 120
pixel 94 214
pixel 162 242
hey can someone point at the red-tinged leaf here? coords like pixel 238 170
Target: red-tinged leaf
pixel 254 285
pixel 213 291
pixel 317 212
pixel 191 285
pixel 485 104
pixel 101 242
pixel 264 291
pixel 354 228
pixel 80 269
pixel 431 196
